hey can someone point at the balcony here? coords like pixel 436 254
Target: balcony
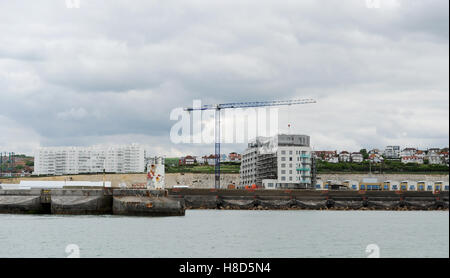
pixel 303 169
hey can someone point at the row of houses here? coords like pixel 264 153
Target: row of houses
pixel 434 156
pixel 209 159
pixel 372 184
pixel 335 157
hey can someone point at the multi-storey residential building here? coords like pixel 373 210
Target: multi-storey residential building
pixel 392 152
pixel 95 159
pixel 434 158
pixel 344 156
pixel 357 157
pixel 408 152
pixel 282 161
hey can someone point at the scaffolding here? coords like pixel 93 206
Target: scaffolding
pixel 266 168
pixel 7 162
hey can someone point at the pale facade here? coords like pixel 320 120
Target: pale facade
pixel 283 161
pixel 84 160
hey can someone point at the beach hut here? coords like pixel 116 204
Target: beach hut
pixel 403 186
pixel 395 186
pixel 387 185
pixel 421 186
pixel 319 185
pixel 430 186
pixel 438 186
pixel 369 184
pixel 412 186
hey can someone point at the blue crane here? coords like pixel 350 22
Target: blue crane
pixel 219 107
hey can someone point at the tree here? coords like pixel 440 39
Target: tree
pixel 364 153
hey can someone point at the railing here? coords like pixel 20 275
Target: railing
pixel 303 169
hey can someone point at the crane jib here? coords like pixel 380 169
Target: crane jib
pixel 219 107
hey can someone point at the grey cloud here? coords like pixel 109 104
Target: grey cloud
pixel 113 70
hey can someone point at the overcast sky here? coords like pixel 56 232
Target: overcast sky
pixel 112 71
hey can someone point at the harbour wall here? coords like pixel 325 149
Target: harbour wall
pixel 173 202
pixel 83 201
pixel 207 180
pixel 310 199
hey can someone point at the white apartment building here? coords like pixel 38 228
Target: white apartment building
pixel 357 157
pixel 408 152
pixel 84 160
pixel 434 158
pixel 282 161
pixel 344 156
pixel 392 152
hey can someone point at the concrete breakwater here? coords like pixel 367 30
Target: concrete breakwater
pixel 316 200
pixel 90 201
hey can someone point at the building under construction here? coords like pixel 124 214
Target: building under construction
pixel 7 163
pixel 282 161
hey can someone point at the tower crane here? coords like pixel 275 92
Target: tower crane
pixel 219 107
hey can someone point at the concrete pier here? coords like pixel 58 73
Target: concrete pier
pixel 81 201
pixel 146 203
pixel 22 201
pixel 92 201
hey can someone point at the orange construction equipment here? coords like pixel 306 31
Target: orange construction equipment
pixel 253 186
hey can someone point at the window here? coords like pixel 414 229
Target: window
pixel 290 178
pixel 283 165
pixel 283 178
pixel 290 152
pixel 283 159
pixel 283 152
pixel 283 172
pixel 290 158
pixel 290 172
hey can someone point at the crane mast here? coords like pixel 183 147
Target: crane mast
pixel 219 107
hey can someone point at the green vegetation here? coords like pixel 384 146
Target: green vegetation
pixel 364 153
pixel 225 167
pixel 389 166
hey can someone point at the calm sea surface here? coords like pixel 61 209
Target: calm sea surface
pixel 213 233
